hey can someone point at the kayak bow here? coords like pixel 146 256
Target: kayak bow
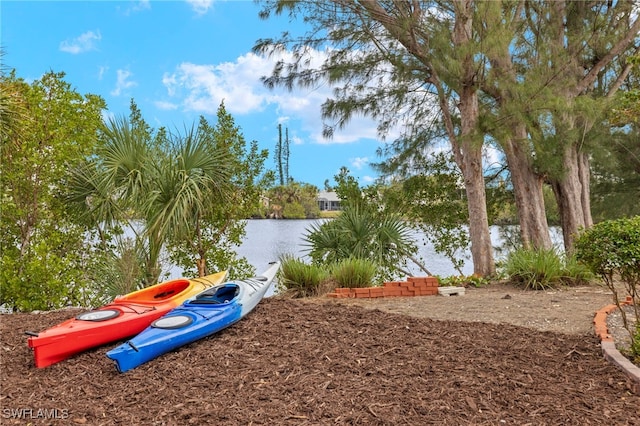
pixel 124 317
pixel 209 312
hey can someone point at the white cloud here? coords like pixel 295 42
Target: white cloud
pixel 296 140
pixel 141 5
pixel 200 88
pixel 166 106
pixel 203 87
pixel 83 43
pixel 492 157
pixel 135 7
pixel 359 162
pixel 102 71
pixel 201 7
pixel 123 82
pixel 284 120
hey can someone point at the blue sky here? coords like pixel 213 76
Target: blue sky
pixel 179 60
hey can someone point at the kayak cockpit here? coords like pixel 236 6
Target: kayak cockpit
pixel 157 293
pixel 217 295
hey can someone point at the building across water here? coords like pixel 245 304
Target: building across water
pixel 328 201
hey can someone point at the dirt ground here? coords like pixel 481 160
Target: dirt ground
pixel 568 310
pixel 495 356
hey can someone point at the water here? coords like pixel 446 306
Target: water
pixel 267 239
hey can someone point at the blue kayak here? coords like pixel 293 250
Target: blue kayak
pixel 207 313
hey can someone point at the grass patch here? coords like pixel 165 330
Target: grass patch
pixel 540 269
pixel 329 214
pixel 354 273
pixel 300 279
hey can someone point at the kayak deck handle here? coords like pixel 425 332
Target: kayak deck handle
pixel 31 333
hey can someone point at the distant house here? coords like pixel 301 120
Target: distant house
pixel 328 201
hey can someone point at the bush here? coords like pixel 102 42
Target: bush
pixel 635 344
pixel 299 278
pixel 294 210
pixel 611 249
pixel 462 281
pixel 539 269
pixel 354 273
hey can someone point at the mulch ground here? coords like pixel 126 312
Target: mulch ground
pixel 296 363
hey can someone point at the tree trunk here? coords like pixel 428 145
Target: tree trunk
pixel 527 188
pixel 584 170
pixel 572 188
pixel 572 195
pixel 481 248
pixel 469 158
pixel 202 267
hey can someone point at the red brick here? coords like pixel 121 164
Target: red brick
pixel 376 292
pixel 362 292
pixel 432 282
pixel 392 292
pixel 417 280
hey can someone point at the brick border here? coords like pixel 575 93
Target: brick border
pixel 609 350
pixel 413 286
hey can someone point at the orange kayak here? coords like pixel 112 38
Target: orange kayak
pixel 126 316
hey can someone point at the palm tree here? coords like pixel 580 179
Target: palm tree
pixel 160 193
pixel 12 106
pixel 108 190
pixel 189 184
pixel 363 233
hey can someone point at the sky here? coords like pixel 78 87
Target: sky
pixel 179 60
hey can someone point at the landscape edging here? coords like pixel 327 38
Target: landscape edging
pixel 413 286
pixel 609 350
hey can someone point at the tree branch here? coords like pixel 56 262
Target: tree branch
pixel 606 59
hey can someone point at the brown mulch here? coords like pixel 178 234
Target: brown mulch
pixel 291 362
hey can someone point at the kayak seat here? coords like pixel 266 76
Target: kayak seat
pixel 222 294
pixel 164 294
pixel 204 301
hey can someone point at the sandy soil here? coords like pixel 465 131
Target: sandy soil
pixel 568 310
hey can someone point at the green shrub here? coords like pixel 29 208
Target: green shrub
pixel 611 249
pixel 294 210
pixel 635 344
pixel 354 273
pixel 576 272
pixel 462 281
pixel 299 278
pixel 539 269
pixel 363 233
